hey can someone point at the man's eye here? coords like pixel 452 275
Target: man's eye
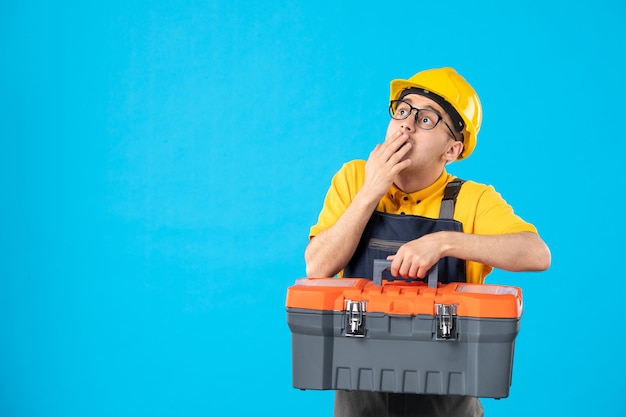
pixel 426 120
pixel 403 110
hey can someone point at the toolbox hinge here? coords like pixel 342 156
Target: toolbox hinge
pixel 355 318
pixel 446 322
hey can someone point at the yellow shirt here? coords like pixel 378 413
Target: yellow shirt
pixel 479 207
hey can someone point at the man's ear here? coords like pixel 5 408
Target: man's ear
pixel 454 150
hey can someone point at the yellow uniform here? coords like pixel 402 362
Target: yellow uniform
pixel 479 208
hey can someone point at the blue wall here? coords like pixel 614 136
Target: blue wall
pixel 162 162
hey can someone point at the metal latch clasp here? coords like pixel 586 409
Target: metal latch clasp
pixel 446 322
pixel 355 318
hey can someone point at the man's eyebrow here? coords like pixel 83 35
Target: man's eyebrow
pixel 431 108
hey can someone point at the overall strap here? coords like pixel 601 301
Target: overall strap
pixel 445 212
pixel 449 198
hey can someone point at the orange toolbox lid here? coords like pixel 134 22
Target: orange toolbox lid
pixel 406 298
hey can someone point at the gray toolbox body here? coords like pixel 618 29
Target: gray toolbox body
pixel 454 339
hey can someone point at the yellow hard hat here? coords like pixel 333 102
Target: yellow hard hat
pixel 446 83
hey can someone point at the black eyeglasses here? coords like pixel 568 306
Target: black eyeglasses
pixel 425 119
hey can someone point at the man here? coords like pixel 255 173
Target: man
pixel 392 206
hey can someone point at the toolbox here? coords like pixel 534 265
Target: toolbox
pixel 403 337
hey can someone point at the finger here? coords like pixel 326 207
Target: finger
pixel 423 271
pixel 375 151
pixel 392 136
pixel 395 265
pixel 403 270
pixel 390 152
pixel 395 168
pixel 391 157
pixel 396 143
pixel 414 270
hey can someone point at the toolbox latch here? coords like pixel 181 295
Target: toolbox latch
pixel 355 318
pixel 446 322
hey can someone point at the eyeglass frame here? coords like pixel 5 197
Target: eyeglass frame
pixel 417 111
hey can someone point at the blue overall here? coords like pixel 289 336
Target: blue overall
pixel 383 236
pixel 385 233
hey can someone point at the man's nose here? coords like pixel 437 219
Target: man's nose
pixel 408 124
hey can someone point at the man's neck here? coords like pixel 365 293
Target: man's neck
pixel 416 180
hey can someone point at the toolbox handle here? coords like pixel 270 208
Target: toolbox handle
pixel 382 265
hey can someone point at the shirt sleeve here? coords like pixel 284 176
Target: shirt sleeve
pixel 486 212
pixel 494 216
pixel 344 186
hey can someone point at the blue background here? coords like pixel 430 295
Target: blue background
pixel 162 162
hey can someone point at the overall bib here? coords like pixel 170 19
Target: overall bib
pixel 383 236
pixel 385 233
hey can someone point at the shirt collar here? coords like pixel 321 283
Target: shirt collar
pixel 400 197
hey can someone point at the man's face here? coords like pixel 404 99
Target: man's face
pixel 428 146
